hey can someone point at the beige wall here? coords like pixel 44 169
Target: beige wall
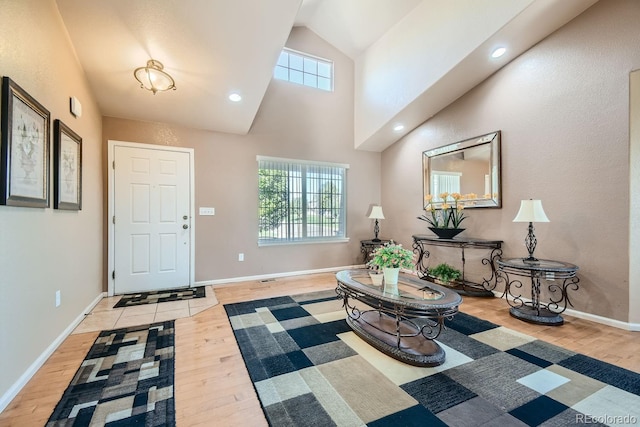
pixel 563 108
pixel 634 193
pixel 293 122
pixel 44 250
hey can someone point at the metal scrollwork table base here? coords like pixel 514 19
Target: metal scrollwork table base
pixel 462 286
pixel 401 321
pixel 559 276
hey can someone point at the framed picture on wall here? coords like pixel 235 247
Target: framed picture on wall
pixel 24 153
pixel 67 168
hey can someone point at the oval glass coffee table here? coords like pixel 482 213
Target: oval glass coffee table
pixel 403 321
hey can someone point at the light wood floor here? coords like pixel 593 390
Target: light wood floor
pixel 212 386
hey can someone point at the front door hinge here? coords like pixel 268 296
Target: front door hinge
pixel 113 164
pixel 113 219
pixel 113 274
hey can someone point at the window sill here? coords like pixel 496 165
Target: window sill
pixel 303 242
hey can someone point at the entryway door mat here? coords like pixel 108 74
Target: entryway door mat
pixel 310 369
pixel 127 378
pixel 154 297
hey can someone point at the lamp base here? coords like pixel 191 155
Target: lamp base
pixel 376 240
pixel 531 260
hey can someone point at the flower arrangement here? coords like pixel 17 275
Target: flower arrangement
pixel 449 214
pixel 392 255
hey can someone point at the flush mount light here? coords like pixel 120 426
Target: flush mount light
pixel 398 128
pixel 153 78
pixel 235 97
pixel 498 52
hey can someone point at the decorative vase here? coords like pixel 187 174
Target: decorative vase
pixel 376 278
pixel 446 233
pixel 391 280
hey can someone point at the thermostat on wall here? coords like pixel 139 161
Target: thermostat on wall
pixel 76 107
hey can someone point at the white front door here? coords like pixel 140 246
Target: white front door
pixel 152 219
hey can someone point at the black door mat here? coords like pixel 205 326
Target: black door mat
pixel 154 297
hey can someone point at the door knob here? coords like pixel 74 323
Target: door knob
pixel 185 226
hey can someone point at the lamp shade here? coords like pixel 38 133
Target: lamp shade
pixel 376 213
pixel 531 211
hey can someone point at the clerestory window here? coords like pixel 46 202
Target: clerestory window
pixel 304 69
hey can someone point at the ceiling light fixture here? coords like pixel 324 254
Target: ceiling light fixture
pixel 153 78
pixel 235 97
pixel 498 52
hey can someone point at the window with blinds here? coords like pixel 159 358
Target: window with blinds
pixel 300 201
pixel 445 182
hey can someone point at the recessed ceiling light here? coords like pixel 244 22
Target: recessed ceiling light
pixel 498 52
pixel 398 128
pixel 235 97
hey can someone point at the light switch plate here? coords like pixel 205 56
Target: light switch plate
pixel 75 106
pixel 207 211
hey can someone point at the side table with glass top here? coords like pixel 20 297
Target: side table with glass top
pixel 559 277
pixel 368 246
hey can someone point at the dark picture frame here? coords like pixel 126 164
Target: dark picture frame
pixel 24 151
pixel 67 168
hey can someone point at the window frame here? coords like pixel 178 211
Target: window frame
pixel 306 58
pixel 291 165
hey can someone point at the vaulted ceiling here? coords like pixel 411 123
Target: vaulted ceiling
pixel 217 47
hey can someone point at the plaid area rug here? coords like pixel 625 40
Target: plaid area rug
pixel 126 379
pixel 310 369
pixel 154 297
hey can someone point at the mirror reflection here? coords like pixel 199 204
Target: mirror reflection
pixel 470 167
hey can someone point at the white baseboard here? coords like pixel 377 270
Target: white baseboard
pixel 604 320
pixel 13 391
pixel 591 317
pixel 273 276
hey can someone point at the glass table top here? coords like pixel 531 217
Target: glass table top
pixel 408 288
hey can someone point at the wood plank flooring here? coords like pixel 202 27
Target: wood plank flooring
pixel 212 386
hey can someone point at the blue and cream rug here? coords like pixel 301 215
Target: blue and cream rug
pixel 309 369
pixel 126 379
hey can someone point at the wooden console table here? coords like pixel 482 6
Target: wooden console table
pixel 401 321
pixel 463 286
pixel 536 311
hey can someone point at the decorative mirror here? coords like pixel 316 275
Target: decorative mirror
pixel 469 167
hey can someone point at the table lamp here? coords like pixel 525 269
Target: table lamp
pixel 376 213
pixel 531 211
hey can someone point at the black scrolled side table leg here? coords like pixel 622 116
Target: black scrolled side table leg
pixel 560 305
pixel 422 259
pixel 491 283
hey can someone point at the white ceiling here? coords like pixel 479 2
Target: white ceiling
pixel 215 47
pixel 352 25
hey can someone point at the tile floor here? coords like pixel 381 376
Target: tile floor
pixel 104 316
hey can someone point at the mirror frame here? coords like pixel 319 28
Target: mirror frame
pixel 494 140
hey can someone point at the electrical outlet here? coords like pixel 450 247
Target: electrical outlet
pixel 207 211
pixel 240 257
pixel 57 298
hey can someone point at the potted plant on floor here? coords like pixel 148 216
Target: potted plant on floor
pixel 444 274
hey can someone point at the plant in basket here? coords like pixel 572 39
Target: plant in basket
pixel 445 273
